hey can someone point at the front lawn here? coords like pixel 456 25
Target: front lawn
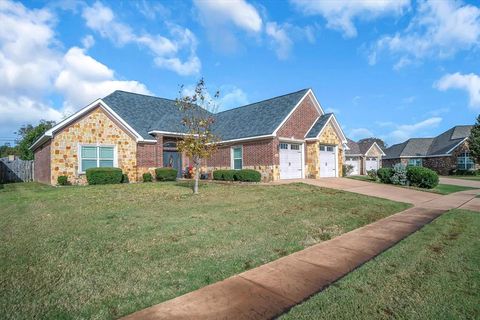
pixel 474 178
pixel 106 251
pixel 440 188
pixel 433 274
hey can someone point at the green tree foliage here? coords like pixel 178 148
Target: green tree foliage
pixel 379 141
pixel 198 109
pixel 474 140
pixel 7 150
pixel 28 134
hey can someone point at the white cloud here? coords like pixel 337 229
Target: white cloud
pixel 84 79
pixel 332 110
pixel 340 14
pixel 33 66
pixel 166 51
pixel 280 39
pixel 238 12
pixel 439 29
pixel 88 41
pixel 232 97
pixel 360 133
pixel 405 131
pixel 468 82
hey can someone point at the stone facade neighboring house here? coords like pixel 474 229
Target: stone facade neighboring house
pixel 444 153
pixel 285 137
pixel 363 156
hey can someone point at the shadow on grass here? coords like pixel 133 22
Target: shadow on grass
pixel 189 184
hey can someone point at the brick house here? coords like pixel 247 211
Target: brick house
pixel 363 156
pixel 284 137
pixel 444 153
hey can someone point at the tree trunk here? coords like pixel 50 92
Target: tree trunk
pixel 197 177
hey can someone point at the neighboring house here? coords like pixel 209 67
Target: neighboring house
pixel 444 153
pixel 285 137
pixel 363 156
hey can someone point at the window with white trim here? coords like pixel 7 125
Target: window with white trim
pixel 237 158
pixel 415 162
pixel 284 146
pixel 294 147
pixel 465 162
pixel 96 156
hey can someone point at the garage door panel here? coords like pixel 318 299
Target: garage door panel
pixel 327 161
pixel 291 161
pixel 355 163
pixel 371 163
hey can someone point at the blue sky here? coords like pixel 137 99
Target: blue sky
pixel 391 69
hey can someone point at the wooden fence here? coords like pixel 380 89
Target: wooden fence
pixel 15 170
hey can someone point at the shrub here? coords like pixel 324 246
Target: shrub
pixel 125 178
pixel 385 174
pixel 346 169
pixel 105 175
pixel 63 181
pixel 372 174
pixel 224 175
pixel 247 175
pixel 422 177
pixel 399 175
pixel 166 174
pixel 147 177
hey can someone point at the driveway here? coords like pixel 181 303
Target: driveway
pixel 385 191
pixel 460 182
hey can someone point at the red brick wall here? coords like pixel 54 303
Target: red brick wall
pixel 300 121
pixel 150 154
pixel 254 153
pixel 42 164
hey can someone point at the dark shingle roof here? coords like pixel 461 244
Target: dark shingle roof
pixel 353 147
pixel 318 126
pixel 424 147
pixel 146 113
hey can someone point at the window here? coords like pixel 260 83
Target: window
pixel 237 156
pixel 415 162
pixel 322 148
pixel 170 144
pixel 284 146
pixel 465 162
pixel 294 147
pixel 330 149
pixel 96 156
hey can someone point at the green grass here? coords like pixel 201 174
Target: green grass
pixel 440 189
pixel 106 251
pixel 433 274
pixel 475 178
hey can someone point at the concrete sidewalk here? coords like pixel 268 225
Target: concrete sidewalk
pixel 271 289
pixel 460 182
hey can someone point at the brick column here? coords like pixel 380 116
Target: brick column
pixel 159 151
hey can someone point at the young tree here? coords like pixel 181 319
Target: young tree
pixel 474 140
pixel 198 111
pixel 28 134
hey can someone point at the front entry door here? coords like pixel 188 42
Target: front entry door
pixel 173 159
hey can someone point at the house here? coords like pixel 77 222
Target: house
pixel 444 153
pixel 285 137
pixel 363 156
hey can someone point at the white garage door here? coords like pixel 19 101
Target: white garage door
pixel 290 161
pixel 353 161
pixel 327 161
pixel 371 164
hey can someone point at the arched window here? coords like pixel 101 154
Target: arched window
pixel 170 144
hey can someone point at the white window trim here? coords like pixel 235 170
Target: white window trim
pixel 465 158
pixel 232 159
pixel 79 154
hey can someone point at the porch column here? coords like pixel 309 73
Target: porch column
pixel 159 151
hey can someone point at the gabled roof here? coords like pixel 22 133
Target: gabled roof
pixel 318 126
pixel 353 148
pixel 442 144
pixel 361 147
pixel 256 119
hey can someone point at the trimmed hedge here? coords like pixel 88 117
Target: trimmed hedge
pixel 166 174
pixel 422 177
pixel 147 177
pixel 246 175
pixel 105 175
pixel 62 181
pixel 372 174
pixel 385 174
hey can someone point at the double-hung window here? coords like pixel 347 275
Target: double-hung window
pixel 415 162
pixel 237 158
pixel 465 162
pixel 96 156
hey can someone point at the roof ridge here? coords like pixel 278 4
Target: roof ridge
pixel 140 94
pixel 250 104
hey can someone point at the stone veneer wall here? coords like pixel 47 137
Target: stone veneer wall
pixel 96 127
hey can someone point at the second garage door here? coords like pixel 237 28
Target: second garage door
pixel 327 161
pixel 371 163
pixel 291 161
pixel 355 163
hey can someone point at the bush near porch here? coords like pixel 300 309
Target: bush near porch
pixel 101 252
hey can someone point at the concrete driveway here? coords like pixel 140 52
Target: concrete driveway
pixel 379 190
pixel 460 182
